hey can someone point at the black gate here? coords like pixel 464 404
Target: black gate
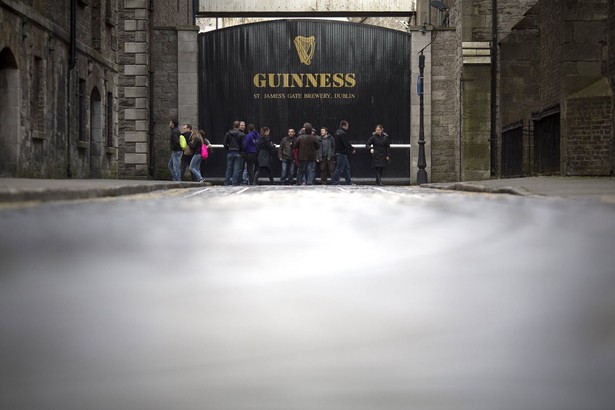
pixel 283 73
pixel 547 142
pixel 512 150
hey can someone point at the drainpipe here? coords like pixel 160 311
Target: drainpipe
pixel 494 77
pixel 72 62
pixel 151 166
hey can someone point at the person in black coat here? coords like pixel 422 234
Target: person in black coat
pixel 379 147
pixel 266 152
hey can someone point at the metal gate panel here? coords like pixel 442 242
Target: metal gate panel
pixel 512 150
pixel 547 144
pixel 263 74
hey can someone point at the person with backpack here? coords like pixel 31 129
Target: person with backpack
pixel 196 143
pixel 204 152
pixel 187 150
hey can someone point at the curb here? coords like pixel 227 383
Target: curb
pixel 458 186
pixel 12 195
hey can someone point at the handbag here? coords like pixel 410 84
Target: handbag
pixel 204 152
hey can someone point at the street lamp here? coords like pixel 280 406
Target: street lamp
pixel 421 174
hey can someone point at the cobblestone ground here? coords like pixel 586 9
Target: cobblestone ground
pixel 306 298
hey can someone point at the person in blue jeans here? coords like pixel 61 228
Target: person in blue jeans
pixel 343 148
pixel 307 145
pixel 285 155
pixel 176 152
pixel 234 162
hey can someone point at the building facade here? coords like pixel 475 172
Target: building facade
pixel 58 89
pixel 557 107
pixel 87 87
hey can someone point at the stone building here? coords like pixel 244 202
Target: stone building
pixel 87 87
pixel 557 107
pixel 58 88
pixel 94 98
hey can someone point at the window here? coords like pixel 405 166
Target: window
pixel 109 118
pixel 37 99
pixel 82 110
pixel 96 26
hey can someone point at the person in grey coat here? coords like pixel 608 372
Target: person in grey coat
pixel 325 155
pixel 379 147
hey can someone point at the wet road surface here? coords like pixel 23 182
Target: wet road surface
pixel 308 298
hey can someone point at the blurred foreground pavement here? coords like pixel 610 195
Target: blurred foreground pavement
pixel 308 298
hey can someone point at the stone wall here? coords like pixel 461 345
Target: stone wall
pixel 134 89
pixel 445 107
pixel 152 43
pixel 164 92
pixel 47 139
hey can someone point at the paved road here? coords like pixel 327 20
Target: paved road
pixel 308 298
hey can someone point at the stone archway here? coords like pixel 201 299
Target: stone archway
pixel 9 114
pixel 96 134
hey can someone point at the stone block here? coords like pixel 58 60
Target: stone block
pixel 130 25
pixel 131 136
pixel 135 159
pixel 141 126
pixel 135 92
pixel 135 47
pixel 141 148
pixel 135 4
pixel 135 114
pixel 136 70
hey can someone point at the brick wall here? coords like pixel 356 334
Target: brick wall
pixel 172 13
pixel 589 145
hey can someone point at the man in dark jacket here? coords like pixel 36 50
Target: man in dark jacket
pixel 326 155
pixel 234 164
pixel 307 146
pixel 285 155
pixel 343 148
pixel 176 152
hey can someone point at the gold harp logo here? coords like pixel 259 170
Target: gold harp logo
pixel 305 48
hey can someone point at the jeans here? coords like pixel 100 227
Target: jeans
pixel 195 167
pixel 342 166
pixel 174 165
pixel 306 172
pixel 288 171
pixel 234 164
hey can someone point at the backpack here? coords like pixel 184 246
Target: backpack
pixel 204 152
pixel 184 145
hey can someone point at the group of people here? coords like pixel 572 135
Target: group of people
pixel 250 153
pixel 186 151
